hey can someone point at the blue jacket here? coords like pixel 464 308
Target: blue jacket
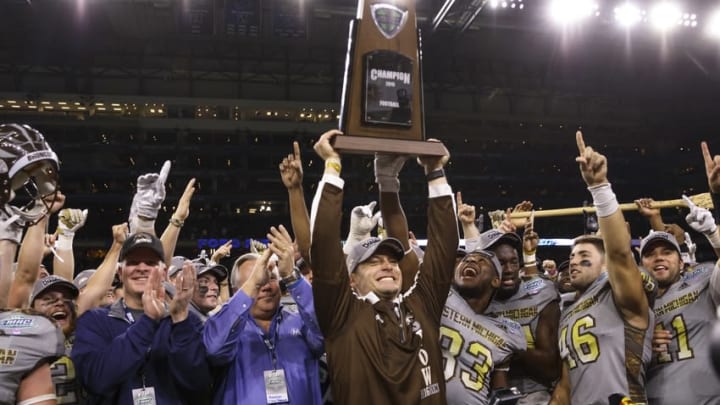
pixel 112 353
pixel 234 340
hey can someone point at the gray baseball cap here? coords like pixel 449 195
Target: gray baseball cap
pixel 363 250
pixel 658 236
pixel 490 256
pixel 82 278
pixel 218 270
pixel 176 264
pixel 54 282
pixel 493 237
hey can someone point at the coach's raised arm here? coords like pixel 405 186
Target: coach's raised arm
pixel 382 345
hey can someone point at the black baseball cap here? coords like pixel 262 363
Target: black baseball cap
pixel 563 266
pixel 218 270
pixel 139 240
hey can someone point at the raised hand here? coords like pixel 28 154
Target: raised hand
pixel 150 193
pixel 291 171
pixel 222 251
pixel 257 247
pixel 153 298
pixel 323 147
pixel 593 165
pixel 712 168
pixel 58 200
pixel 676 231
pixel 259 276
pixel 700 219
pixel 183 208
pixel 120 233
pixel 387 169
pixel 70 220
pixel 507 225
pixel 530 238
pixel 282 245
pixel 645 208
pixel 50 239
pixel 412 239
pixel 362 221
pixel 523 206
pixel 184 290
pixel 431 163
pixel 692 248
pixel 466 212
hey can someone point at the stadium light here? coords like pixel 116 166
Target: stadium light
pixel 665 16
pixel 713 25
pixel 512 4
pixel 628 14
pixel 571 11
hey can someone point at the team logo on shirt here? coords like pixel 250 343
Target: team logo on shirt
pixel 697 271
pixel 533 287
pixel 7 356
pixel 17 322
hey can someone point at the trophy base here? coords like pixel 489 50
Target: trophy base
pixel 369 146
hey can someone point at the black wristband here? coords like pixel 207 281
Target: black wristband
pixel 435 174
pixel 292 278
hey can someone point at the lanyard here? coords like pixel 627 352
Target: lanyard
pixel 130 318
pixel 271 341
pixel 128 314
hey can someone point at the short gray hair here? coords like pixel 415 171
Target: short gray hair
pixel 235 273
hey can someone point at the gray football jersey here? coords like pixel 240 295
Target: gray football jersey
pixel 472 345
pixel 604 355
pixel 683 375
pixel 524 307
pixel 67 385
pixel 26 341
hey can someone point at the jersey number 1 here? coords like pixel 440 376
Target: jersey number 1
pixel 684 350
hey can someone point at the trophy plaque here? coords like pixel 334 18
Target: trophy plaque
pixel 382 100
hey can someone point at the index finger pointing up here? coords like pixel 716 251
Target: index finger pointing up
pixel 689 202
pixel 709 164
pixel 296 150
pixel 164 171
pixel 458 198
pixel 580 142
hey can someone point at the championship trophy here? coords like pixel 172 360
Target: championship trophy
pixel 382 99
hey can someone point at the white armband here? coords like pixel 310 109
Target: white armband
pixel 38 399
pixel 604 200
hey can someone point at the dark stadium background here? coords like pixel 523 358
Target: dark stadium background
pixel 222 88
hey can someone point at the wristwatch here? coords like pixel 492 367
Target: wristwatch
pixel 289 280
